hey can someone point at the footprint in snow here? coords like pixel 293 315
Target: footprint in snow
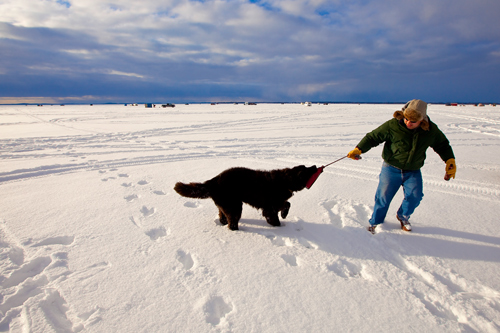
pixel 143 182
pixel 156 233
pixel 159 192
pixel 185 259
pixel 279 241
pixel 123 175
pixel 290 259
pixel 192 204
pixel 28 270
pixel 106 179
pixel 147 211
pixel 345 269
pixel 59 240
pixel 308 244
pixel 216 309
pixel 132 197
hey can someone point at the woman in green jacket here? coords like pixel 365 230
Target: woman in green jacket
pixel 407 137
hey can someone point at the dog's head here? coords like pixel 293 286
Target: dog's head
pixel 298 176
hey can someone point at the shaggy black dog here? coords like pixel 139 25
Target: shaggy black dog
pixel 266 190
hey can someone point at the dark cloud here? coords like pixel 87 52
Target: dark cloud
pixel 262 50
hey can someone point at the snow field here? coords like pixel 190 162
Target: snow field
pixel 93 237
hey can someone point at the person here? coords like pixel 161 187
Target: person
pixel 407 136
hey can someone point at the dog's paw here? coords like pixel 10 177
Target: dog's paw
pixel 223 219
pixel 284 211
pixel 274 222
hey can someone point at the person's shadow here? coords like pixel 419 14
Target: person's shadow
pixel 357 242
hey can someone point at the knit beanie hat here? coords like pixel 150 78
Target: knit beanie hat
pixel 415 110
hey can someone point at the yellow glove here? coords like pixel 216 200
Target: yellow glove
pixel 355 154
pixel 451 169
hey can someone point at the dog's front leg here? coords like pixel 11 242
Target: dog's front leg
pixel 285 209
pixel 271 217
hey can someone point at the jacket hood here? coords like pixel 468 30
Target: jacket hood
pixel 423 125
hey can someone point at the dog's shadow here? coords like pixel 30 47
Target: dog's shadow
pixel 256 225
pixel 299 234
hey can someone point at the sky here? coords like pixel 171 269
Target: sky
pixel 97 51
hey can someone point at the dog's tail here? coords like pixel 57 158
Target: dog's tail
pixel 192 190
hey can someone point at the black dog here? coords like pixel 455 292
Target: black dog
pixel 266 190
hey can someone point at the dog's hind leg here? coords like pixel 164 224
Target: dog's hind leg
pixel 231 214
pixel 234 218
pixel 271 216
pixel 285 209
pixel 222 217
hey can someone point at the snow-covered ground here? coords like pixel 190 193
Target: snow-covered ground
pixel 94 239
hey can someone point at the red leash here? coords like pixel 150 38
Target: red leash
pixel 315 176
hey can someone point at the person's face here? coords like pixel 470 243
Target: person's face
pixel 412 124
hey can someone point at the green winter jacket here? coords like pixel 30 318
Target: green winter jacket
pixel 405 149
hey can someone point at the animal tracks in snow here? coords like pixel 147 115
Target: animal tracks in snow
pixel 193 204
pixel 216 309
pixel 27 270
pixel 290 259
pixel 148 211
pixel 447 295
pixel 297 247
pixel 345 269
pixel 131 197
pixel 30 296
pixel 140 218
pixel 185 259
pixel 156 233
pixel 159 192
pixel 201 281
pixel 60 240
pixel 342 213
pixel 444 293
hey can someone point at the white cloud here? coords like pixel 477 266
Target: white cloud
pixel 263 30
pixel 51 69
pixel 84 53
pixel 113 72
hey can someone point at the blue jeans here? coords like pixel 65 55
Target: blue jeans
pixel 391 179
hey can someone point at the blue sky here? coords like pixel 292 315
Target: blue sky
pixel 97 51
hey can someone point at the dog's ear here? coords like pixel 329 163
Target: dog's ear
pixel 300 169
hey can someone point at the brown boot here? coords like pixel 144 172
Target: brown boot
pixel 372 229
pixel 405 224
